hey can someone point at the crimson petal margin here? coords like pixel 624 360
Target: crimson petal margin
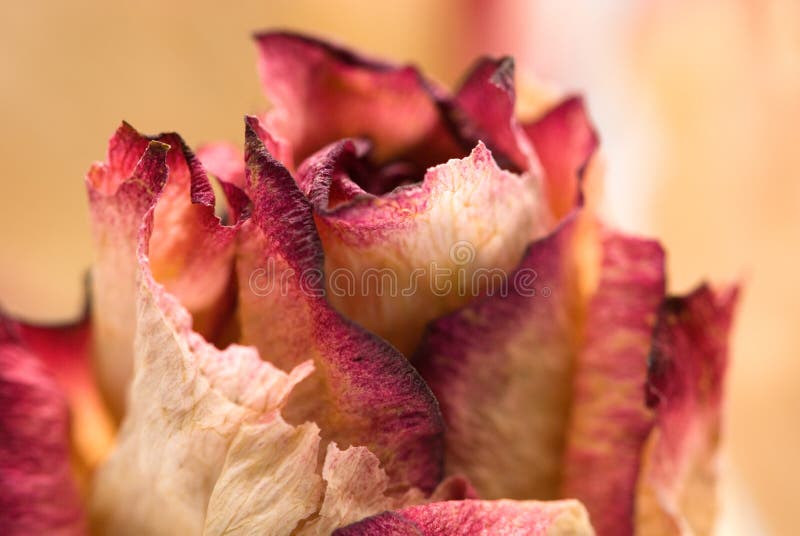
pixel 483 109
pixel 191 252
pixel 474 518
pixel 323 93
pixel 440 242
pixel 504 368
pixel 38 494
pixel 364 392
pixel 685 386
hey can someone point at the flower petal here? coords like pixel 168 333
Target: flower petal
pixel 38 494
pixel 685 384
pixel 609 420
pixel 468 518
pixel 565 141
pixel 65 352
pixel 396 262
pixel 323 93
pixel 191 252
pixel 503 367
pixel 483 109
pixel 364 392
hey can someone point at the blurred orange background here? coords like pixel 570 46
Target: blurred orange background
pixel 697 103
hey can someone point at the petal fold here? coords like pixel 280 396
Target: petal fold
pixel 323 93
pixel 398 261
pixel 581 304
pixel 191 253
pixel 685 387
pixel 363 393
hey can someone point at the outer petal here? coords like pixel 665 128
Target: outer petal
pixel 65 351
pixel 685 385
pixel 609 420
pixel 472 518
pixel 396 262
pixel 565 141
pixel 37 491
pixel 503 368
pixel 365 393
pixel 323 93
pixel 191 253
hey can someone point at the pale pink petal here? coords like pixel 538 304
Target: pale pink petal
pixel 478 518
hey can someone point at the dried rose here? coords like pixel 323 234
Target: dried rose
pixel 397 301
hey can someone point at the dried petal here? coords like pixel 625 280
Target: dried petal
pixel 503 368
pixel 191 253
pixel 685 385
pixel 565 140
pixel 398 261
pixel 364 392
pixel 472 518
pixel 38 494
pixel 323 93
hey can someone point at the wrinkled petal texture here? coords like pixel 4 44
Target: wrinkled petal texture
pixel 191 253
pixel 473 518
pixel 398 261
pixel 38 494
pixel 685 388
pixel 206 424
pixel 508 370
pixel 363 392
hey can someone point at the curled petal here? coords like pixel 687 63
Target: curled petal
pixel 503 368
pixel 472 518
pixel 685 385
pixel 364 392
pixel 323 93
pixel 38 494
pixel 190 253
pixel 398 261
pixel 483 109
pixel 564 140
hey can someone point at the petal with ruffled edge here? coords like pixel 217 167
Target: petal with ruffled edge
pixel 503 368
pixel 323 93
pixel 398 261
pixel 206 425
pixel 191 253
pixel 364 392
pixel 473 518
pixel 38 494
pixel 685 386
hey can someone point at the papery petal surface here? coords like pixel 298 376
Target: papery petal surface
pixel 685 389
pixel 505 367
pixel 473 518
pixel 191 254
pixel 363 393
pixel 398 261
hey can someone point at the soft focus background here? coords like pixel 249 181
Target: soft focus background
pixel 697 103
